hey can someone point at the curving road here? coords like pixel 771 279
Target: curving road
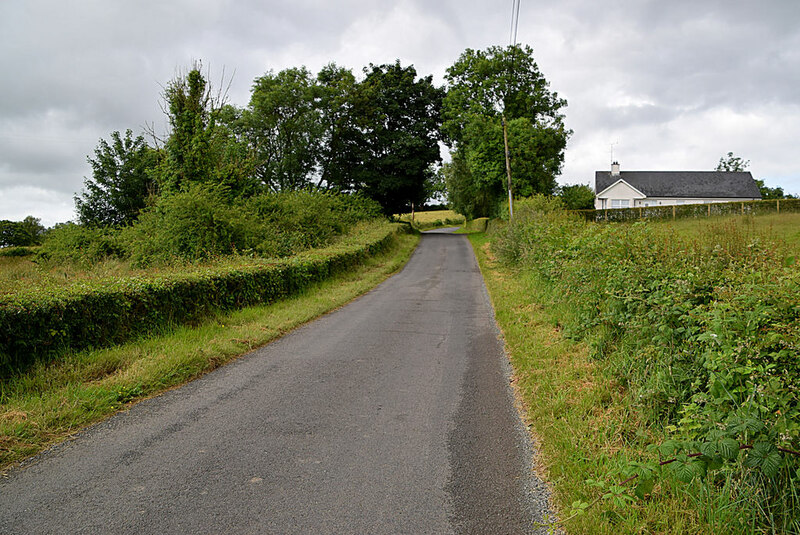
pixel 390 415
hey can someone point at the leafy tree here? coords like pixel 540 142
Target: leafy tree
pixel 463 193
pixel 283 128
pixel 336 92
pixel 29 231
pixel 199 148
pixel 397 143
pixel 482 87
pixel 732 163
pixel 121 181
pixel 577 197
pixel 768 193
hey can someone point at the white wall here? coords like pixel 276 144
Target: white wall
pixel 620 192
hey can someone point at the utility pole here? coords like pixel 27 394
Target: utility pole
pixel 513 40
pixel 508 170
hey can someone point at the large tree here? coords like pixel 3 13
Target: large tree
pixel 483 87
pixel 335 99
pixel 121 181
pixel 284 129
pixel 29 231
pixel 397 117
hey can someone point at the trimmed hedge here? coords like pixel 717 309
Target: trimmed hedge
pixel 38 324
pixel 682 211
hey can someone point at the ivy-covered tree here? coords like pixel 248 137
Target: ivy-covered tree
pixel 120 184
pixel 199 149
pixel 484 86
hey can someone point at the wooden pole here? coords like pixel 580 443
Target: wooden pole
pixel 508 170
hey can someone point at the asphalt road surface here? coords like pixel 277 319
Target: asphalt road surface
pixel 390 415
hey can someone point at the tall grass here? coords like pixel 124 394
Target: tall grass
pixel 698 336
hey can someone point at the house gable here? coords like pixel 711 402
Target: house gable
pixel 621 189
pixel 620 194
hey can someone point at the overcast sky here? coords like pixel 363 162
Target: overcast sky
pixel 673 84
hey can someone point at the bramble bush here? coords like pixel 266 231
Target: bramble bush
pixel 702 335
pixel 205 222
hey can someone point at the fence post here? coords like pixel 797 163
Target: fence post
pixel 673 211
pixel 709 209
pixel 742 208
pixel 778 204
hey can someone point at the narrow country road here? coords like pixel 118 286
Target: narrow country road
pixel 390 415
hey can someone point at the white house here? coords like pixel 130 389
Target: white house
pixel 629 189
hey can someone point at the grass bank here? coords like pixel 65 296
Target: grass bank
pixel 574 411
pixel 658 365
pixel 50 402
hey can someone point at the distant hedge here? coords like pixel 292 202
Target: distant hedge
pixel 683 211
pixel 39 323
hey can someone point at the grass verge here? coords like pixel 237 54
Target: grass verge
pixel 49 403
pixel 575 410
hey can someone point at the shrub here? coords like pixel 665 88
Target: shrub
pixel 204 222
pixel 72 243
pixel 196 224
pixel 17 251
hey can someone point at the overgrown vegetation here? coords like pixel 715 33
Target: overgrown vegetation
pixel 695 341
pixel 203 222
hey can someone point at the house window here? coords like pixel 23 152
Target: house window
pixel 620 203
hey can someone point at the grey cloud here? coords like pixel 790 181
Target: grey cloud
pixel 633 70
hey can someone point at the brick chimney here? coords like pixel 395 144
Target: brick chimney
pixel 615 169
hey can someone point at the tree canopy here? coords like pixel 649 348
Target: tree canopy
pixel 732 163
pixel 397 118
pixel 121 181
pixel 483 87
pixel 29 231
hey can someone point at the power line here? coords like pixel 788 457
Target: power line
pixel 512 38
pixel 513 45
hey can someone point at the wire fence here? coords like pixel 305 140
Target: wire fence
pixel 683 211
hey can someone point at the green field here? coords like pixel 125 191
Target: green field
pixel 782 227
pixel 434 218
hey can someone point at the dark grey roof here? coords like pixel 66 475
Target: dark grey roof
pixel 688 184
